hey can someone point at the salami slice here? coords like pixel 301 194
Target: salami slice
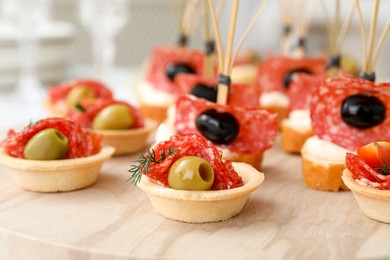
pixel 302 88
pixel 225 177
pixel 246 95
pixel 60 92
pixel 272 72
pixel 163 56
pixel 363 172
pixel 81 141
pixel 326 117
pixel 91 107
pixel 258 127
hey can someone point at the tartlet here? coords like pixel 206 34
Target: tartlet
pixel 374 203
pixel 130 141
pixel 203 206
pixel 54 154
pixel 56 175
pixel 59 98
pixel 133 138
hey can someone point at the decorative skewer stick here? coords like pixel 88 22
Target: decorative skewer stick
pixel 225 66
pixel 303 28
pixel 336 35
pixel 371 56
pixel 286 12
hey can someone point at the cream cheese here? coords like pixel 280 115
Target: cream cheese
pixel 150 95
pixel 274 98
pixel 299 120
pixel 324 152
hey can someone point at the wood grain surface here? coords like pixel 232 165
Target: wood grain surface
pixel 114 219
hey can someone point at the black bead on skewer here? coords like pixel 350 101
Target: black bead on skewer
pixel 368 76
pixel 333 62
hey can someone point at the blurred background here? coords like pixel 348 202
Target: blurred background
pixel 66 42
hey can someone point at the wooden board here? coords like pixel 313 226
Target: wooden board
pixel 114 219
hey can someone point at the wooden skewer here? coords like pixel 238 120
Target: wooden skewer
pixel 371 42
pixel 232 29
pixel 303 29
pixel 380 44
pixel 286 8
pixel 259 12
pixel 345 27
pixel 363 31
pixel 371 56
pixel 225 65
pixel 217 35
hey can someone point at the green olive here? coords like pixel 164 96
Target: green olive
pixel 77 94
pixel 48 144
pixel 114 117
pixel 191 173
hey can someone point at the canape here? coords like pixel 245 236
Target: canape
pixel 55 154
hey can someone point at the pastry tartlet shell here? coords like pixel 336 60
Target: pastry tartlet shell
pixel 374 203
pixel 129 141
pixel 203 206
pixel 56 175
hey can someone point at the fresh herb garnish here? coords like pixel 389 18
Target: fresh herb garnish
pixel 79 107
pixel 385 170
pixel 143 162
pixel 30 124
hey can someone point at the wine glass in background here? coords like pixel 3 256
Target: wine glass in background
pixel 28 17
pixel 103 20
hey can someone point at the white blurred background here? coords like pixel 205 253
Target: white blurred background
pixel 66 46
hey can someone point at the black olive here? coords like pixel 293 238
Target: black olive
pixel 290 74
pixel 363 111
pixel 206 92
pixel 219 128
pixel 173 69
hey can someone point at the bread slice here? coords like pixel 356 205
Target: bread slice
pixel 292 140
pixel 253 159
pixel 155 112
pixel 322 175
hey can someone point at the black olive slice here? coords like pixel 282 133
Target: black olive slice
pixel 290 74
pixel 173 69
pixel 207 92
pixel 363 111
pixel 219 128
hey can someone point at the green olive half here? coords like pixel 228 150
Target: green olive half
pixel 114 117
pixel 191 173
pixel 48 144
pixel 77 94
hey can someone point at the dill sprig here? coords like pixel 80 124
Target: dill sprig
pixel 79 107
pixel 30 124
pixel 385 170
pixel 143 162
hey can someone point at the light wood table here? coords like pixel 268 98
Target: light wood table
pixel 114 219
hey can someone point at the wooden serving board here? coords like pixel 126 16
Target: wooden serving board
pixel 114 219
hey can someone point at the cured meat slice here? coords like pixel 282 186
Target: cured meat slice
pixel 362 171
pixel 163 56
pixel 91 107
pixel 225 177
pixel 258 128
pixel 60 92
pixel 325 111
pixel 81 141
pixel 246 95
pixel 272 72
pixel 303 87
